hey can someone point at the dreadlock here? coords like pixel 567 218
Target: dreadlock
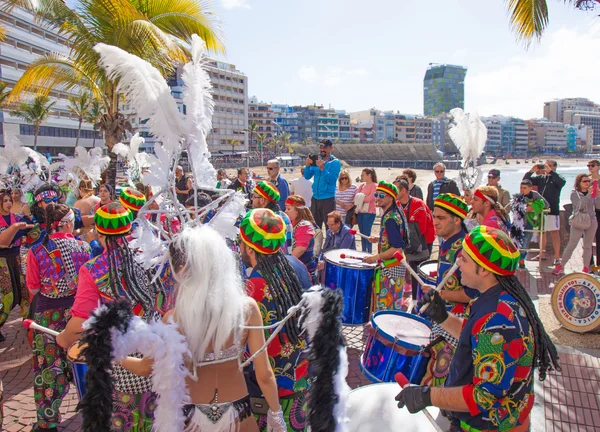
pixel 284 286
pixel 545 356
pixel 127 276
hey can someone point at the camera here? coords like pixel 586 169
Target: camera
pixel 313 158
pixel 540 166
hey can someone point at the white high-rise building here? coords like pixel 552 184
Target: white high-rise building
pixel 26 40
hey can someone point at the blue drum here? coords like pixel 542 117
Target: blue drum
pixel 428 272
pixel 345 270
pixel 79 368
pixel 394 345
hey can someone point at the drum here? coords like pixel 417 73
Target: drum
pixel 576 302
pixel 79 367
pixel 394 345
pixel 428 272
pixel 373 408
pixel 354 278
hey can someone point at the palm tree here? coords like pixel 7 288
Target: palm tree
pixel 36 112
pixel 284 140
pixel 234 144
pixel 154 30
pixel 4 92
pixel 529 18
pixel 80 105
pixel 261 141
pixel 251 131
pixel 94 115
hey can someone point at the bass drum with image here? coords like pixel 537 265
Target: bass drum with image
pixel 576 302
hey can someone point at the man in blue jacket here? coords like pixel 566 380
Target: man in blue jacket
pixel 325 171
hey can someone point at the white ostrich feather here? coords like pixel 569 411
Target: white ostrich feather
pixel 468 134
pixel 152 252
pixel 20 166
pixel 146 90
pixel 121 149
pixel 158 167
pixel 86 165
pixel 224 221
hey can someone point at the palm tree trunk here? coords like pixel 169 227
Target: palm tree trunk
pixel 78 132
pixel 111 170
pixel 36 131
pixel 94 141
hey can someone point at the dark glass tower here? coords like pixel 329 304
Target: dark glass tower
pixel 443 89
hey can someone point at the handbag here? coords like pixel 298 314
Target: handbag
pixel 351 218
pixel 580 218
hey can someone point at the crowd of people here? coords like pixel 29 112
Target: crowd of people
pixel 58 262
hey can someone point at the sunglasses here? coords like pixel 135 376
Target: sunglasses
pixel 270 168
pixel 438 171
pixel 50 200
pixel 592 165
pixel 379 195
pixel 585 181
pixel 344 178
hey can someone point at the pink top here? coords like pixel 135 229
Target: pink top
pixel 88 296
pixel 303 234
pixel 369 191
pixel 32 275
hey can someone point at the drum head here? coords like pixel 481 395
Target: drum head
pixel 352 259
pixel 373 408
pixel 576 302
pixel 427 268
pixel 410 330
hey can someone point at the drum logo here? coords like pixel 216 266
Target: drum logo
pixel 578 301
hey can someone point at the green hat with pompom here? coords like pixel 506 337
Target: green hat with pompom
pixel 263 231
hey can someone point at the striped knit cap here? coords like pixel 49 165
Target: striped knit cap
pixel 132 199
pixel 453 204
pixel 388 188
pixel 493 250
pixel 263 231
pixel 113 219
pixel 267 191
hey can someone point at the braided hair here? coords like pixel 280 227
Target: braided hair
pixel 284 286
pixel 545 356
pixel 54 213
pixel 492 192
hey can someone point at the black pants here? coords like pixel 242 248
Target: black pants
pixel 320 209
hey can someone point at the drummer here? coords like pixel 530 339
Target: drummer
pixel 449 212
pixel 388 292
pixel 501 341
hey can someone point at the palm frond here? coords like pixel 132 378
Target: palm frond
pixel 528 18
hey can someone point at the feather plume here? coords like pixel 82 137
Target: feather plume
pixel 86 165
pixel 224 222
pixel 147 91
pixel 121 149
pixel 21 167
pixel 478 135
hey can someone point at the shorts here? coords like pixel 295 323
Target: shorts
pixel 552 223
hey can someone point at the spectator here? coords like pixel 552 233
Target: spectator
pixel 183 185
pixel 194 206
pixel 503 194
pixel 417 211
pixel 489 213
pixel 365 207
pixel 302 187
pixel 413 189
pixel 594 167
pixel 468 196
pixel 344 197
pixel 325 171
pixel 279 182
pixel 581 199
pixel 223 181
pixel 242 183
pixel 549 184
pixel 304 235
pixel 338 234
pixel 441 184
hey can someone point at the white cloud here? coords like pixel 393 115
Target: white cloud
pixel 566 64
pixel 236 4
pixel 307 73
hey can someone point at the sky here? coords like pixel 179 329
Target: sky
pixel 354 55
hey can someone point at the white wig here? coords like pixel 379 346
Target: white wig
pixel 210 300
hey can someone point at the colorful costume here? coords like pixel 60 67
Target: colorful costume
pixel 52 276
pixel 388 292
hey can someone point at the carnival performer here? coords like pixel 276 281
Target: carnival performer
pixel 20 208
pixel 275 286
pixel 306 235
pixel 501 342
pixel 12 283
pixel 388 292
pixel 490 213
pixel 52 275
pixel 449 212
pixel 106 194
pixel 265 195
pixel 87 201
pixel 133 200
pixel 115 274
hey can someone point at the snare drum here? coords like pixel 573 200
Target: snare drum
pixel 373 408
pixel 354 278
pixel 428 271
pixel 79 367
pixel 394 345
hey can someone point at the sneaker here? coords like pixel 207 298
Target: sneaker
pixel 556 262
pixel 522 265
pixel 585 270
pixel 558 270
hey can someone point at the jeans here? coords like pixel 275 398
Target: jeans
pixel 365 223
pixel 526 240
pixel 320 209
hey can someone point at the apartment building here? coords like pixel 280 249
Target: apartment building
pixel 443 89
pixel 554 111
pixel 261 113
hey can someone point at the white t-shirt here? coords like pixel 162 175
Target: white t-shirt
pixel 302 187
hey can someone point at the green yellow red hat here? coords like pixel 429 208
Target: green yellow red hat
pixel 493 250
pixel 132 199
pixel 388 188
pixel 453 204
pixel 113 219
pixel 263 231
pixel 267 191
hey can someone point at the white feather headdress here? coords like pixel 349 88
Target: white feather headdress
pixel 85 165
pixel 21 167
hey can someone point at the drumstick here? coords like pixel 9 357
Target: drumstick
pixel 31 324
pixel 438 288
pixel 354 232
pixel 344 256
pixel 398 255
pixel 403 382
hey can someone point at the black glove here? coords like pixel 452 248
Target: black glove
pixel 416 398
pixel 436 310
